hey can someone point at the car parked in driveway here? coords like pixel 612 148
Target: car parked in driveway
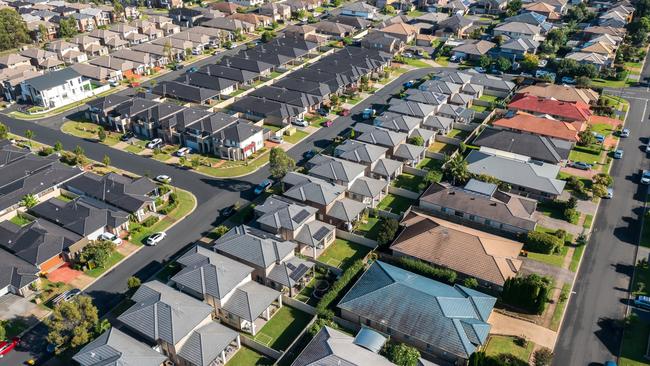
pixel 127 136
pixel 580 165
pixel 183 151
pixel 228 211
pixel 300 122
pixel 155 238
pixel 642 302
pixel 262 187
pixel 276 138
pixel 154 143
pixel 106 236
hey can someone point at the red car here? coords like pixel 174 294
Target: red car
pixel 344 112
pixel 329 123
pixel 7 346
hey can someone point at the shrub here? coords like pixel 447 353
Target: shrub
pixel 470 282
pixel 150 221
pixel 540 242
pixel 529 293
pixel 45 151
pixel 346 278
pixel 571 215
pixel 387 230
pixel 542 357
pixel 445 275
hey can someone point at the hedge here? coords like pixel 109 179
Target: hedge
pixel 544 243
pixel 149 221
pixel 445 275
pixel 338 286
pixel 528 293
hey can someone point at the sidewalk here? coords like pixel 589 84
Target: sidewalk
pixel 505 325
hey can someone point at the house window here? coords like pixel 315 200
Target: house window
pixel 472 217
pixel 488 222
pixel 458 213
pixel 368 322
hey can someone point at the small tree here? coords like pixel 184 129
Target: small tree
pixel 106 160
pixel 416 140
pixel 3 332
pixel 58 146
pixel 182 161
pixel 30 135
pixel 403 355
pixel 133 283
pixel 80 155
pixel 503 64
pixel 28 201
pixel 542 357
pixel 599 190
pixel 97 254
pixel 4 131
pixel 72 324
pixel 101 133
pixel 456 169
pixel 388 9
pixel 470 282
pixel 221 230
pixel 484 61
pixel 603 179
pixel 586 137
pixel 267 36
pixel 387 230
pixel 280 163
pixel 195 162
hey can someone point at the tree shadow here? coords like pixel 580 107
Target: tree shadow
pixel 610 333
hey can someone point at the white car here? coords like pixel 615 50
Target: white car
pixel 183 151
pixel 164 178
pixel 647 148
pixel 277 139
pixel 645 177
pixel 106 236
pixel 156 238
pixel 154 143
pixel 301 122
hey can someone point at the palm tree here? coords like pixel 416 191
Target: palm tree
pixel 30 135
pixel 456 169
pixel 29 201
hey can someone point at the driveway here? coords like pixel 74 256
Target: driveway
pixel 531 266
pixel 549 222
pixel 505 325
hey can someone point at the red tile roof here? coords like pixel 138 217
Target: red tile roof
pixel 542 126
pixel 568 111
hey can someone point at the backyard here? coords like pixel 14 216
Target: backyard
pixel 285 326
pixel 408 181
pixel 369 228
pixel 442 148
pixel 430 164
pixel 247 357
pixel 342 253
pixel 395 204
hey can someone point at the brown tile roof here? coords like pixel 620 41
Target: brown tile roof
pixel 561 92
pixel 542 126
pixel 474 253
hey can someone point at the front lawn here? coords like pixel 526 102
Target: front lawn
pixel 88 130
pixel 555 259
pixel 408 181
pixel 585 155
pixel 604 129
pixel 342 253
pixel 283 328
pixel 247 357
pixel 559 308
pixel 416 63
pixel 395 204
pixel 112 260
pixel 497 345
pixel 185 206
pixel 635 340
pixel 235 168
pixel 296 137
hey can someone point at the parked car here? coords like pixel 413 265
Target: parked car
pixel 408 55
pixel 154 143
pixel 106 236
pixel 228 211
pixel 344 112
pixel 368 113
pixel 196 52
pixel 453 58
pixel 310 154
pixel 409 84
pixel 642 302
pixel 67 296
pixel 262 186
pixel 127 136
pixel 609 363
pixel 179 66
pixel 276 138
pixel 7 346
pixel 542 63
pixel 480 69
pixel 610 192
pixel 183 151
pixel 113 83
pixel 329 123
pixel 322 111
pixel 191 70
pixel 645 177
pixel 647 148
pixel 568 80
pixel 163 178
pixel 300 122
pixel 155 238
pixel 600 138
pixel 625 132
pixel 618 154
pixel 580 165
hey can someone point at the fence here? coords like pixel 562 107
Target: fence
pixel 448 140
pixel 386 214
pixel 414 171
pixel 298 344
pixel 403 193
pixel 298 305
pixel 356 239
pixel 434 155
pixel 265 350
pixel 465 126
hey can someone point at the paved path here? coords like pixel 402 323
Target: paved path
pixel 505 325
pixel 532 266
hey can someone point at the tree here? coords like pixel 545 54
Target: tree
pixel 106 160
pixel 484 61
pixel 301 14
pixel 118 9
pixel 432 176
pixel 529 292
pixel 221 230
pixel 58 146
pixel 388 9
pixel 67 27
pixel 13 30
pixel 498 40
pixel 280 163
pixel 456 170
pixel 530 62
pixel 403 355
pixel 268 36
pixel 336 3
pixel 28 201
pixel 513 7
pixel 603 179
pixel 96 254
pixel 43 34
pixel 599 190
pixel 133 283
pixel 583 82
pixel 79 155
pixel 4 131
pixel 476 33
pixel 335 100
pixel 542 357
pixel 3 332
pixel 540 242
pixel 387 230
pixel 101 133
pixel 470 282
pixel 416 140
pixel 503 64
pixel 72 323
pixel 30 135
pixel 586 137
pixel 182 161
pixel 195 162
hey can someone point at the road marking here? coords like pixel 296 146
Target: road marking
pixel 644 108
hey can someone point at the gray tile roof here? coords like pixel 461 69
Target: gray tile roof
pixel 346 209
pixel 426 96
pixel 206 344
pixel 314 232
pixel 439 123
pixel 305 188
pixel 537 147
pixel 409 108
pixel 115 348
pixel 282 213
pixel 359 152
pixel 409 152
pixel 239 131
pixel 161 312
pixel 118 190
pixel 398 122
pixel 386 167
pixel 290 272
pixel 208 81
pixel 15 271
pixel 250 300
pixel 454 319
pixel 439 87
pixel 534 175
pixel 424 133
pixel 183 91
pixel 37 241
pixel 253 246
pixel 207 272
pixel 225 72
pixel 379 136
pixel 333 169
pixel 52 79
pixel 368 187
pixel 81 215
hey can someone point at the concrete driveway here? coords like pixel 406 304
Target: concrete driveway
pixel 505 325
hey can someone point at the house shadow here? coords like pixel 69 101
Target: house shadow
pixel 609 333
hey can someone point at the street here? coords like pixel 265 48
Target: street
pixel 212 194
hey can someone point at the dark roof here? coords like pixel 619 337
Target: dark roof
pixel 304 85
pixel 239 131
pixel 287 96
pixel 265 55
pixel 81 215
pixel 208 81
pixel 265 108
pixel 231 73
pixel 183 91
pixel 115 348
pixel 206 343
pixel 118 190
pixel 108 102
pixel 36 242
pixel 254 246
pixel 241 63
pixel 535 146
pixel 52 79
pixel 15 271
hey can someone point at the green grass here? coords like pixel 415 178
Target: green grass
pixel 369 229
pixel 415 13
pixel 478 108
pixel 431 164
pixel 283 328
pixel 556 259
pixel 551 209
pixel 275 74
pixel 185 206
pixel 236 168
pixel 503 344
pixel 459 134
pixel 296 137
pixel 112 260
pixel 602 83
pixel 305 294
pixel 88 130
pixel 559 308
pixel 488 98
pixel 575 258
pixel 588 220
pixel 395 204
pixel 342 253
pixel 135 149
pixel 635 340
pixel 247 357
pixel 442 60
pixel 408 181
pixel 20 220
pixel 416 63
pixel 273 128
pixel 604 129
pixel 442 148
pixel 584 155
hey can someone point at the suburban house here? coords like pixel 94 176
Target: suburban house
pixel 336 30
pixel 369 191
pixel 273 260
pixel 135 196
pixel 272 112
pixel 99 74
pixel 360 9
pixel 226 285
pixel 409 154
pixel 410 108
pixel 537 147
pixel 221 85
pixel 359 152
pixel 591 58
pixel 383 42
pixel 565 111
pixel 442 243
pixel 402 31
pixel 42 59
pixel 473 50
pixel 525 176
pixel 386 169
pixel 277 11
pixel 380 136
pixel 480 204
pixel 544 9
pixel 119 348
pixel 454 26
pixel 55 89
pixel 184 92
pixel 239 140
pixel 561 92
pixel 547 127
pixel 411 308
pixel 13 61
pixel 399 122
pixel 519 30
pixel 516 49
pixel 334 170
pixel 313 191
pixel 18 274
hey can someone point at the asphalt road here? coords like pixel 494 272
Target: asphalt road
pixel 212 195
pixel 591 332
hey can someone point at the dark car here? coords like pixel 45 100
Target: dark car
pixel 322 111
pixel 179 66
pixel 262 186
pixel 191 70
pixel 228 211
pixel 310 154
pixel 127 136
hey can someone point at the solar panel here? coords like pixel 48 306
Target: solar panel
pixel 321 233
pixel 298 272
pixel 301 216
